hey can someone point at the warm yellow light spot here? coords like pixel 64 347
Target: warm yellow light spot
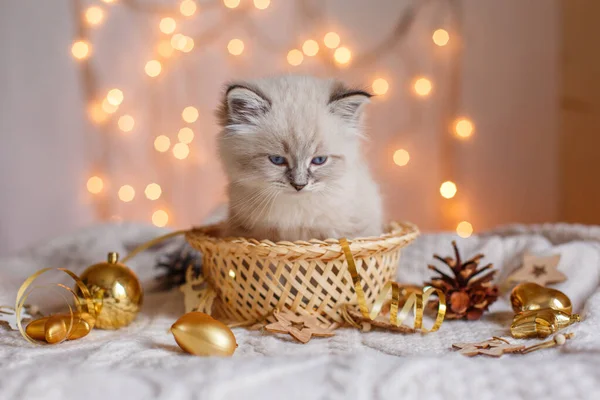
pixel 188 45
pixel 310 47
pixel 109 1
pixel 422 86
pixel 96 113
pixel 115 97
pixel 261 4
pixel 464 229
pixel 448 189
pixel 380 86
pixel 231 3
pixel 108 108
pixel 94 15
pixel 160 218
pixel 126 123
pixel 463 128
pixel 232 273
pixel 181 151
pixel 401 157
pixel 167 25
pixel 95 185
pixel 153 191
pixel 185 135
pixel 126 193
pixel 162 143
pixel 164 48
pixel 178 41
pixel 187 8
pixel 235 47
pixel 80 49
pixel 342 55
pixel 189 114
pixel 441 37
pixel 295 57
pixel 332 40
pixel 153 68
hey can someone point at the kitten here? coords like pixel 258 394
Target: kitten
pixel 290 147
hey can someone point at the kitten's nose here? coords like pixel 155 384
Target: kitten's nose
pixel 297 186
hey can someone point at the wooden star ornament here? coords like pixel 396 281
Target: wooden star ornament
pixel 540 270
pixel 300 327
pixel 494 347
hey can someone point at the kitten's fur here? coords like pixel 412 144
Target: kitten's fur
pixel 298 118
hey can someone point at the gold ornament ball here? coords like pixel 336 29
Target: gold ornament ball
pixel 202 335
pixel 116 290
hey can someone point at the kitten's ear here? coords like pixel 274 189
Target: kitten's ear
pixel 243 104
pixel 348 103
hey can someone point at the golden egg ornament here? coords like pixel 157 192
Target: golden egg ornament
pixel 540 323
pixel 116 290
pixel 202 335
pixel 530 296
pixel 38 328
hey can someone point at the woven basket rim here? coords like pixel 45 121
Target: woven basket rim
pixel 397 231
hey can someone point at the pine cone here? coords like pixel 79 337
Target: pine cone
pixel 466 297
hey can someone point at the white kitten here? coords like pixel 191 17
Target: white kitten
pixel 290 146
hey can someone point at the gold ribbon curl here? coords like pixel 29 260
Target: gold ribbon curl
pixel 415 301
pixel 26 289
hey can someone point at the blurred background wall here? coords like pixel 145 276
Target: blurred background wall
pixel 500 70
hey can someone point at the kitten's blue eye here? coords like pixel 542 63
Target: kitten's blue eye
pixel 278 160
pixel 319 160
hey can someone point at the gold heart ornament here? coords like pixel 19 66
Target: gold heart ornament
pixel 530 296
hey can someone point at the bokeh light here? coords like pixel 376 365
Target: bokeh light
pixel 96 113
pixel 153 68
pixel 310 47
pixel 380 86
pixel 160 218
pixel 126 123
pixel 95 185
pixel 448 189
pixel 422 86
pixel 464 229
pixel 115 97
pixel 261 4
pixel 401 157
pixel 109 108
pixel 178 41
pixel 164 48
pixel 331 40
pixel 187 8
pixel 153 191
pixel 295 57
pixel 342 55
pixel 80 49
pixel 94 15
pixel 231 3
pixel 181 151
pixel 126 193
pixel 441 37
pixel 162 143
pixel 463 128
pixel 235 47
pixel 185 135
pixel 167 25
pixel 189 114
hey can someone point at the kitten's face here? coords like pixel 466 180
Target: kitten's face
pixel 290 138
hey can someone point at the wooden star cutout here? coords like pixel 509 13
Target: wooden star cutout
pixel 540 270
pixel 494 347
pixel 300 327
pixel 8 316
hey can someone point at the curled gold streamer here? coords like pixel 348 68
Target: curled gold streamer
pixel 415 301
pixel 26 289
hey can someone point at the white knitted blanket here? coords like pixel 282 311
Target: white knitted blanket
pixel 142 361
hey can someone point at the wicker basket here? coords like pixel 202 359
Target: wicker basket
pixel 248 279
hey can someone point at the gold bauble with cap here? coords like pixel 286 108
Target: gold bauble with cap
pixel 116 290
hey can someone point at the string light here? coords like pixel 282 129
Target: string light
pixel 162 143
pixel 153 191
pixel 295 57
pixel 94 15
pixel 441 37
pixel 422 86
pixel 188 44
pixel 380 86
pixel 310 48
pixel 332 40
pixel 178 41
pixel 181 151
pixel 164 48
pixel 342 55
pixel 109 108
pixel 231 3
pixel 153 68
pixel 232 274
pixel 126 193
pixel 96 113
pixel 185 135
pixel 95 185
pixel 448 189
pixel 115 97
pixel 463 128
pixel 262 4
pixel 235 47
pixel 401 157
pixel 464 229
pixel 109 1
pixel 189 114
pixel 160 218
pixel 167 25
pixel 187 8
pixel 80 49
pixel 126 123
